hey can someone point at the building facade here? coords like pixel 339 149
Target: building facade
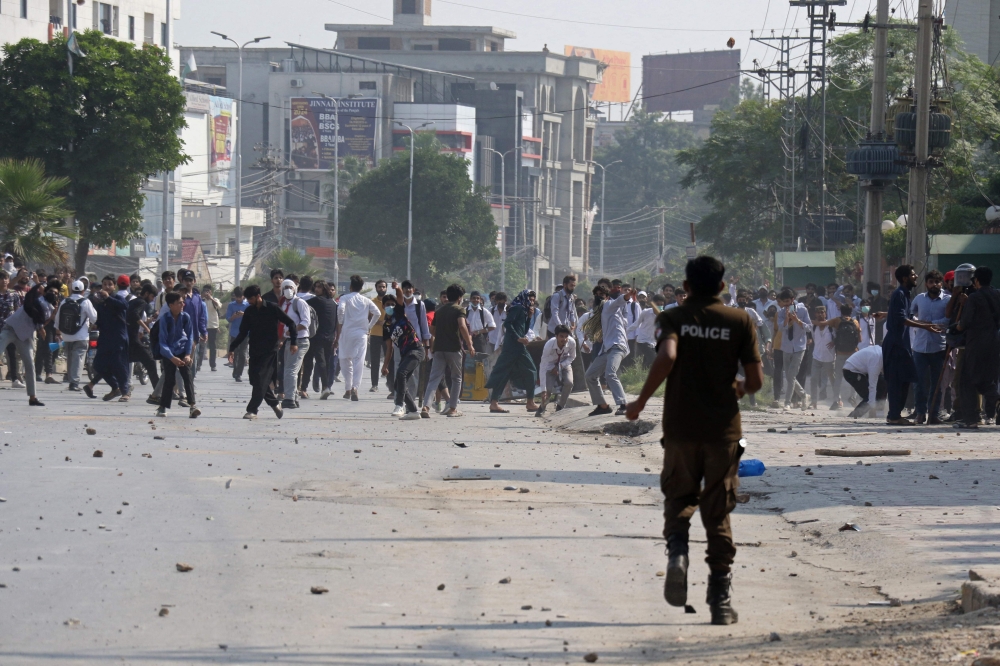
pixel 530 106
pixel 977 22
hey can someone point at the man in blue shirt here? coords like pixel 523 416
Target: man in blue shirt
pixel 929 347
pixel 176 337
pixel 897 354
pixel 234 315
pixel 195 307
pixel 614 349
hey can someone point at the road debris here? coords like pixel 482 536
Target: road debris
pixel 318 590
pixel 849 527
pixel 590 657
pixel 91 431
pixel 184 568
pixel 164 612
pixel 98 453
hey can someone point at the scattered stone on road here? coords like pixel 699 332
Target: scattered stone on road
pixel 184 568
pixel 98 453
pixel 91 431
pixel 590 657
pixel 322 590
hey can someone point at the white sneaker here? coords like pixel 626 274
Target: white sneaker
pixel 373 389
pixel 326 394
pixel 399 411
pixel 250 416
pixel 17 383
pixel 412 416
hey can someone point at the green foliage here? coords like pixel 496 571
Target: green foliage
pixel 741 165
pixel 290 260
pixel 107 128
pixel 633 376
pixel 484 277
pixel 894 244
pixel 649 174
pixel 453 225
pixel 32 211
pixel 738 166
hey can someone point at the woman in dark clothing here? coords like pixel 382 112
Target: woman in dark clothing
pixel 514 364
pixel 321 349
pixel 403 340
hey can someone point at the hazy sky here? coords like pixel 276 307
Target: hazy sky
pixel 650 26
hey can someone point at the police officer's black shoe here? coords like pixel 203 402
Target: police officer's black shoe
pixel 719 599
pixel 675 589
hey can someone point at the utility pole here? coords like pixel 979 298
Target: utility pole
pixel 916 227
pixel 603 178
pixel 165 221
pixel 873 201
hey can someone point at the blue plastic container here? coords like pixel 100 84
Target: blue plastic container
pixel 54 346
pixel 751 467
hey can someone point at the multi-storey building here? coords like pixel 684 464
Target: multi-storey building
pixel 977 23
pixel 533 106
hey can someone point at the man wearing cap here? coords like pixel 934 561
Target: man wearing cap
pixel 75 344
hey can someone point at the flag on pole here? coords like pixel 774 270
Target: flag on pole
pixel 73 49
pixel 189 67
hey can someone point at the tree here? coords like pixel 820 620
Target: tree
pixel 108 127
pixel 738 166
pixel 32 212
pixel 291 260
pixel 453 225
pixel 649 174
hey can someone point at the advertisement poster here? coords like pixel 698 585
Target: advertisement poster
pixel 220 140
pixel 616 83
pixel 314 130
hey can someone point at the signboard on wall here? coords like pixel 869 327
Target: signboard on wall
pixel 220 140
pixel 616 83
pixel 314 131
pixel 689 81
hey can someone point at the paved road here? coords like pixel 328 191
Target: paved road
pixel 341 496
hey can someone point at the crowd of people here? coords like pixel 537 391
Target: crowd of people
pixel 828 347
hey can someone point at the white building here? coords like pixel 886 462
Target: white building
pixel 138 21
pixel 453 124
pixel 977 22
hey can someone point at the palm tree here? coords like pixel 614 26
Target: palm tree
pixel 32 212
pixel 290 260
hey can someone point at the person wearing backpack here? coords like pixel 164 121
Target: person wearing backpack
pixel 846 340
pixel 74 318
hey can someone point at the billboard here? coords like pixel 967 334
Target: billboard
pixel 689 81
pixel 221 112
pixel 616 84
pixel 313 130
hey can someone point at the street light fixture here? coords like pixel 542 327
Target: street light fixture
pixel 409 224
pixel 239 146
pixel 503 216
pixel 603 174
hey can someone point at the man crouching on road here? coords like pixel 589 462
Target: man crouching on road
pixel 700 346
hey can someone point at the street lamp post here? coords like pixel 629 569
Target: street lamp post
pixel 239 147
pixel 409 224
pixel 603 174
pixel 503 217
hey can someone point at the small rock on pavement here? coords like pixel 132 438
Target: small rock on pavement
pixel 158 437
pixel 98 453
pixel 933 478
pixel 524 490
pixel 164 612
pixel 774 637
pixel 626 501
pixel 229 483
pixel 505 581
pixel 548 623
pixel 528 607
pixel 72 622
pixel 357 450
pixel 318 590
pixel 590 657
pixel 440 587
pixel 184 568
pixel 91 431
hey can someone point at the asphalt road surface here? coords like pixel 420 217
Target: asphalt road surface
pixel 420 569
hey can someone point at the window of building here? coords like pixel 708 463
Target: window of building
pixel 147 28
pixel 103 13
pixel 408 7
pixel 163 35
pixel 373 43
pixel 131 28
pixel 423 47
pixel 24 9
pixel 450 44
pixel 302 196
pixel 494 46
pixel 72 17
pixel 367 85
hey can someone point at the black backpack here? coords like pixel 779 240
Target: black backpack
pixel 154 341
pixel 70 317
pixel 847 336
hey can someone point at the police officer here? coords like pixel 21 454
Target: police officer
pixel 700 346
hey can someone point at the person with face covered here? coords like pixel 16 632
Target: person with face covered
pixel 298 311
pixel 404 343
pixel 514 364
